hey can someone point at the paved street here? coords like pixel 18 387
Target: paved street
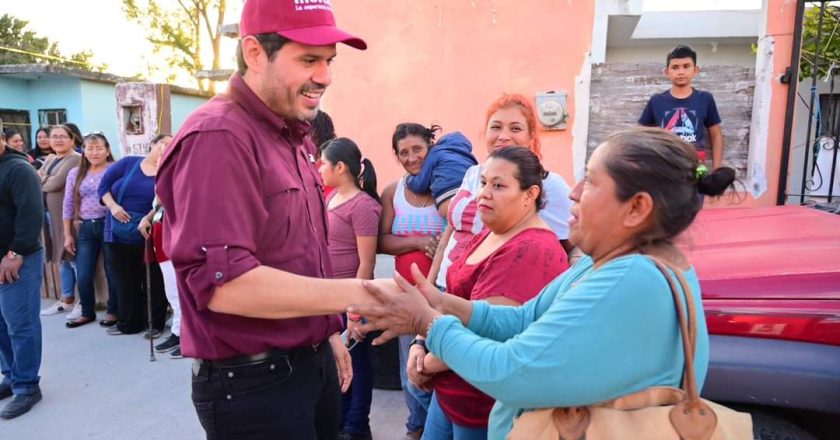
pixel 98 386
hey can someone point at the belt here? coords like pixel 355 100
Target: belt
pixel 251 359
pixel 93 220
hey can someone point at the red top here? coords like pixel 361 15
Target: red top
pixel 536 257
pixel 240 192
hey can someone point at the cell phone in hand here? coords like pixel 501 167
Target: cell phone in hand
pixel 348 340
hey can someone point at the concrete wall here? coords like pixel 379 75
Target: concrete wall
pixel 57 93
pixel 99 112
pixel 619 92
pixel 182 106
pixel 740 55
pixel 14 94
pixel 445 62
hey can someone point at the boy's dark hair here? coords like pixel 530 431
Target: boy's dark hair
pixel 681 51
pixel 270 43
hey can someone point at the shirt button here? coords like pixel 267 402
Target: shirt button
pixel 219 275
pixel 229 397
pixel 271 367
pixel 230 374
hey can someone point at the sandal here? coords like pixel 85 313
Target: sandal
pixel 79 322
pixel 108 322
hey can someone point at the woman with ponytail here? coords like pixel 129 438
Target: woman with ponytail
pixel 353 212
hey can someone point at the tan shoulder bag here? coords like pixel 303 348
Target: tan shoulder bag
pixel 656 413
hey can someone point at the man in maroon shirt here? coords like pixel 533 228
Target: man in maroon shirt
pixel 246 231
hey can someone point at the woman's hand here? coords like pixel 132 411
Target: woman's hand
pixel 119 213
pixel 145 227
pixel 70 245
pixel 398 313
pixel 428 244
pixel 354 328
pixel 414 368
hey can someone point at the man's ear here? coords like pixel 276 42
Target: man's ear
pixel 253 54
pixel 640 211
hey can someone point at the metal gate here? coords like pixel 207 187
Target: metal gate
pixel 810 172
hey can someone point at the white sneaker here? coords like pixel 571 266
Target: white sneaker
pixel 76 313
pixel 58 307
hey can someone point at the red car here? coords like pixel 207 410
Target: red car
pixel 771 292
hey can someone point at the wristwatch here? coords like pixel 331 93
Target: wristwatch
pixel 12 255
pixel 420 342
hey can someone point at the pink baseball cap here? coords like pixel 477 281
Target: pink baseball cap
pixel 308 22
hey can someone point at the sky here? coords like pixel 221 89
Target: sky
pixel 100 26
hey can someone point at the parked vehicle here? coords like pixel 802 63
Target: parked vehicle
pixel 771 292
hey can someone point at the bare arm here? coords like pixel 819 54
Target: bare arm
pixel 366 247
pixel 716 140
pixel 265 292
pixel 389 243
pixel 441 249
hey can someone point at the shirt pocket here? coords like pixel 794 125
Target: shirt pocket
pixel 286 229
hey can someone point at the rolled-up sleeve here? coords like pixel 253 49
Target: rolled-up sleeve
pixel 211 190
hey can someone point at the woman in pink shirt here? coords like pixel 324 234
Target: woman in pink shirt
pixel 353 214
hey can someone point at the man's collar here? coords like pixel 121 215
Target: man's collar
pixel 239 91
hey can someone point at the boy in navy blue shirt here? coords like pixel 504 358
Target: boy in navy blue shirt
pixel 685 111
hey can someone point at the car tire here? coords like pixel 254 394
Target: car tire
pixel 767 427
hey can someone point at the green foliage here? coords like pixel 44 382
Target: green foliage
pixel 177 32
pixel 829 50
pixel 27 47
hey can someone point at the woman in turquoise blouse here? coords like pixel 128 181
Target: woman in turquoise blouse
pixel 605 328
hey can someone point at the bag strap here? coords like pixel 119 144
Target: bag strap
pixel 125 181
pixel 692 418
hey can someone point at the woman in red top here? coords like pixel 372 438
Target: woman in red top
pixel 508 263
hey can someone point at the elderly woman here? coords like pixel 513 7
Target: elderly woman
pixel 53 180
pixel 605 328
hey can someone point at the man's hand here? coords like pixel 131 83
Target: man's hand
pixel 342 362
pixel 414 369
pixel 10 269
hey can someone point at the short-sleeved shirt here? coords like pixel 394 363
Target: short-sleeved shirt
pixel 536 257
pixel 687 118
pixel 241 190
pixel 466 223
pixel 357 217
pixel 89 206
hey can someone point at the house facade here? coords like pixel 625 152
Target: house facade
pixel 34 95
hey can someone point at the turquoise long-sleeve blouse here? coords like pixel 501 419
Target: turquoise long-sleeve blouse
pixel 589 336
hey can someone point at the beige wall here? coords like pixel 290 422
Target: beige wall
pixel 444 62
pixel 740 55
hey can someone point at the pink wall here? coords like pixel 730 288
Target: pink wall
pixel 445 61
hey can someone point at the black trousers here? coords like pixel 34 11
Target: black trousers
pixel 130 275
pixel 292 397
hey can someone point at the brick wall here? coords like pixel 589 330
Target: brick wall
pixel 619 92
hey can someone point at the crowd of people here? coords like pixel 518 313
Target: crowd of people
pixel 512 290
